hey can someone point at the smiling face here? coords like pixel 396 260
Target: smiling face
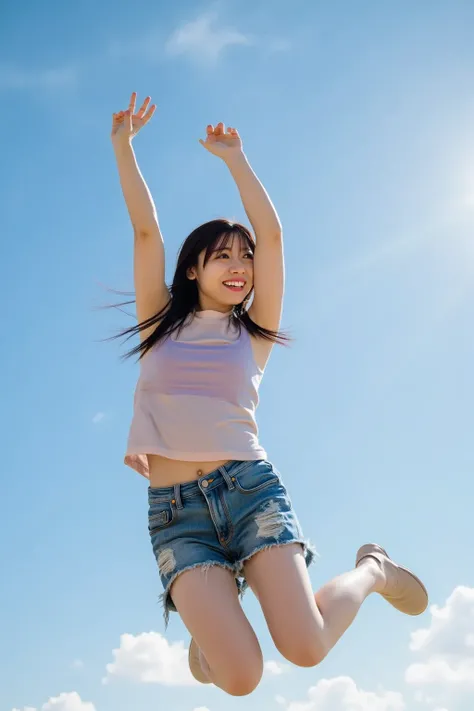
pixel 227 277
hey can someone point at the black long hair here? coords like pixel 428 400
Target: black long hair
pixel 184 297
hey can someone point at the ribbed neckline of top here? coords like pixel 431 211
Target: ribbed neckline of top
pixel 215 315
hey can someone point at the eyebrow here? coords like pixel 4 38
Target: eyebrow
pixel 229 249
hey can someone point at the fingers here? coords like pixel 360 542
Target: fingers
pixel 148 114
pixel 139 114
pixel 134 120
pixel 121 117
pixel 144 107
pixel 217 131
pixel 132 104
pixel 220 130
pixel 219 138
pixel 117 120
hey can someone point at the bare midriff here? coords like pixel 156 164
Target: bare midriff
pixel 167 472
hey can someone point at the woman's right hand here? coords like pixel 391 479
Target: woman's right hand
pixel 126 124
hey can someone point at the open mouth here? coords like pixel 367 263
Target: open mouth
pixel 234 285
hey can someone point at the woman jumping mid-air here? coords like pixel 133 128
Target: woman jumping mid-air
pixel 220 518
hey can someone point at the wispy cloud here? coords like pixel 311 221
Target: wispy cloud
pixel 14 77
pixel 204 39
pixel 98 417
pixel 201 40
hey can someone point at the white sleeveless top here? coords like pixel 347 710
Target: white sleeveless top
pixel 196 396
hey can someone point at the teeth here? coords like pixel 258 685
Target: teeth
pixel 234 283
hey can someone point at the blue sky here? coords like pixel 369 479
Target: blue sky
pixel 358 117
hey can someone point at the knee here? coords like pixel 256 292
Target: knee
pixel 304 653
pixel 243 680
pixel 240 685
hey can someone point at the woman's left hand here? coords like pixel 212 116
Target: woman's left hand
pixel 222 143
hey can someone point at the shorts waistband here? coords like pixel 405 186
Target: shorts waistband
pixel 207 482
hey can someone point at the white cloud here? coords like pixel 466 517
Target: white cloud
pixel 77 664
pixel 150 659
pixel 280 700
pixel 452 626
pixel 64 702
pixel 12 77
pixel 202 708
pixel 446 668
pixel 442 671
pixel 341 694
pixel 423 698
pixel 98 417
pixel 204 40
pixel 275 668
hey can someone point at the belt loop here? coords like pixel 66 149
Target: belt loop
pixel 177 496
pixel 227 478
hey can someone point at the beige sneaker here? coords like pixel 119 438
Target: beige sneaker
pixel 403 590
pixel 195 664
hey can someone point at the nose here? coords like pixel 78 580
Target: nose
pixel 237 267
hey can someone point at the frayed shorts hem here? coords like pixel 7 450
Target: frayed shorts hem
pixel 166 600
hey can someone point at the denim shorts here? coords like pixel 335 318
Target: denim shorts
pixel 223 519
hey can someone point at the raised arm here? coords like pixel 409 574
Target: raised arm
pixel 269 272
pixel 151 292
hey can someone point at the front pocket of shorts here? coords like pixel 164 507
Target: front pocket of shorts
pixel 159 516
pixel 251 480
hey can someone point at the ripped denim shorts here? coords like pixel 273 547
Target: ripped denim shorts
pixel 223 519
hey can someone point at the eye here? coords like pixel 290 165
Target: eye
pixel 222 254
pixel 249 255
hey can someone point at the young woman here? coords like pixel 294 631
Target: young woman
pixel 220 517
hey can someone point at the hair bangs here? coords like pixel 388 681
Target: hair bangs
pixel 225 240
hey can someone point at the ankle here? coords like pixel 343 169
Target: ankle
pixel 372 564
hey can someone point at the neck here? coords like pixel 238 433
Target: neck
pixel 224 310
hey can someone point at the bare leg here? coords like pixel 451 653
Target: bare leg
pixel 305 626
pixel 339 600
pixel 208 604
